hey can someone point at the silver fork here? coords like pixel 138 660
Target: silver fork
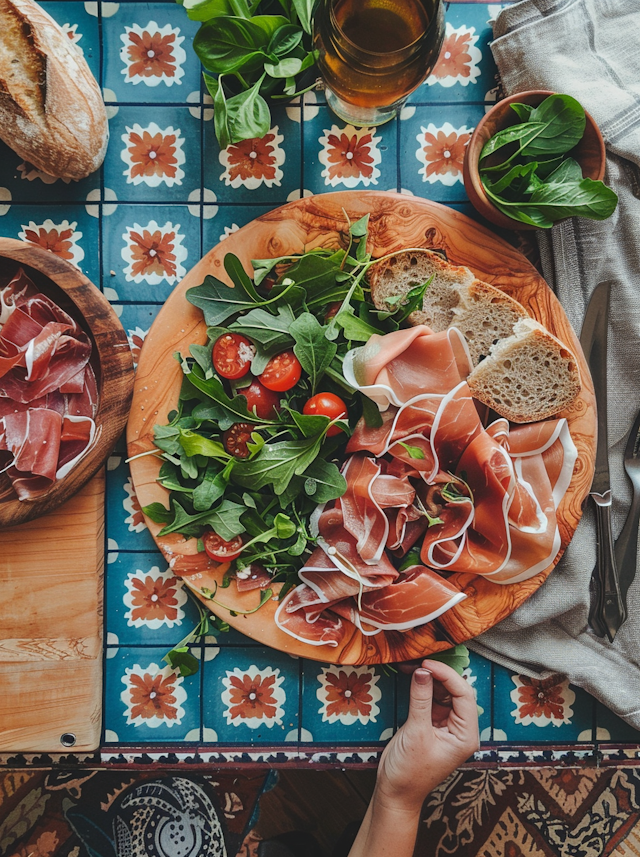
pixel 626 546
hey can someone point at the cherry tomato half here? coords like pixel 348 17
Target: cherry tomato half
pixel 282 372
pixel 265 402
pixel 235 439
pixel 326 405
pixel 217 548
pixel 232 355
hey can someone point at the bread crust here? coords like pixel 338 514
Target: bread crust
pixel 51 108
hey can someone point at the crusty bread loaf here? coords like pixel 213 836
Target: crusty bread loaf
pixel 528 376
pixel 482 313
pixel 51 109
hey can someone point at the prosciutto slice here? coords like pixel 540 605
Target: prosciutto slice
pixel 48 390
pixel 476 499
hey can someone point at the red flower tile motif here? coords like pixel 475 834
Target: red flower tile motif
pixel 254 697
pixel 540 703
pixel 350 156
pixel 459 58
pixel 136 338
pixel 155 599
pixel 152 54
pixel 154 254
pixel 153 155
pixel 348 694
pixel 153 696
pixel 441 153
pixel 254 162
pixel 135 518
pixel 60 238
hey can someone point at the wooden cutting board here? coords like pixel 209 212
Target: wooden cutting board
pixel 51 587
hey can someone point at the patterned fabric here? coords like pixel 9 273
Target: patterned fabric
pixel 48 813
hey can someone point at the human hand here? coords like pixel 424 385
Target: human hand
pixel 440 733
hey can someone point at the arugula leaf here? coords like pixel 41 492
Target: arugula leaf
pixel 355 328
pixel 413 451
pixel 309 424
pixel 218 301
pixel 158 513
pixel 271 331
pixel 181 659
pixel 235 408
pixel 211 487
pixel 277 464
pixel 370 412
pixel 312 348
pixel 196 444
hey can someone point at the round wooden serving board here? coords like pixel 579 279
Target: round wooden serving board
pixel 396 222
pixel 111 359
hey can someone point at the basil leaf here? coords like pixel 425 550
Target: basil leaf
pixel 220 118
pixel 228 44
pixel 312 348
pixel 564 122
pixel 218 301
pixel 514 134
pixel 555 201
pixel 248 114
pixel 204 10
pixel 288 67
pixel 568 171
pixel 304 10
pixel 457 658
pixel 285 39
pixel 323 481
pixel 509 177
pixel 523 111
pixel 269 24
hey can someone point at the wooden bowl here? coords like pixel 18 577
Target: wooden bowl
pixel 589 153
pixel 111 359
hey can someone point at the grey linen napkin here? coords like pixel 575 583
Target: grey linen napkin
pixel 589 49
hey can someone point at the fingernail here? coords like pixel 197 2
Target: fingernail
pixel 422 676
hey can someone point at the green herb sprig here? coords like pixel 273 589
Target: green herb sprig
pixel 251 50
pixel 538 182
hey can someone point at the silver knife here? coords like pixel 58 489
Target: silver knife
pixel 607 612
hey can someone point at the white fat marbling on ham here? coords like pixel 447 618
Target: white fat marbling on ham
pixel 48 390
pixel 477 500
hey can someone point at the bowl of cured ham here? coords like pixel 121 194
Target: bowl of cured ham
pixel 66 378
pixel 436 516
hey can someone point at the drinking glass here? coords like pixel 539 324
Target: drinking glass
pixel 373 53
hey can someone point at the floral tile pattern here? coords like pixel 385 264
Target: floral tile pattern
pixel 165 195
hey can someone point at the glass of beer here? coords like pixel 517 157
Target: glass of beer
pixel 373 53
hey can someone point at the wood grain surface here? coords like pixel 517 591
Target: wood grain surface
pixel 396 222
pixel 51 584
pixel 111 359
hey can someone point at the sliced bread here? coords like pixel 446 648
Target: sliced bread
pixel 398 275
pixel 482 313
pixel 528 376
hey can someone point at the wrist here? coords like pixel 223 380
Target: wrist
pixel 406 804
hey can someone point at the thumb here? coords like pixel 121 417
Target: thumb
pixel 421 698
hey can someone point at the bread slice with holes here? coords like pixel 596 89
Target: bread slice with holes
pixel 528 376
pixel 455 298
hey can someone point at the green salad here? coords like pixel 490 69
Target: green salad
pixel 264 412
